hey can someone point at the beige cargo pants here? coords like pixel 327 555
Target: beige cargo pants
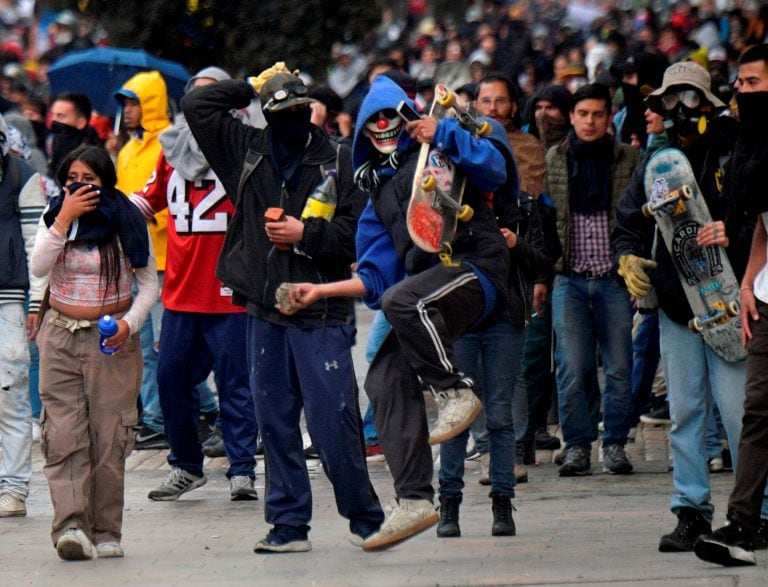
pixel 89 409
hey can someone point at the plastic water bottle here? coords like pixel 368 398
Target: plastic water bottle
pixel 107 329
pixel 322 202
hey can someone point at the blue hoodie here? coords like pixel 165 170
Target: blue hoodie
pixel 379 264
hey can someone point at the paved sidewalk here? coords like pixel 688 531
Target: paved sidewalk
pixel 591 531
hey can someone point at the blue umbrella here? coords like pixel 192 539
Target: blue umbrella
pixel 99 73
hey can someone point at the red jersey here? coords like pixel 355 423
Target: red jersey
pixel 199 212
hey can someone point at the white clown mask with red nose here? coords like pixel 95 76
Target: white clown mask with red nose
pixel 383 128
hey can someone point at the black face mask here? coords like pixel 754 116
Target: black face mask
pixel 290 128
pixel 65 139
pixel 753 111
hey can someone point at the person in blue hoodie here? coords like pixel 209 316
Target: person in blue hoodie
pixel 428 303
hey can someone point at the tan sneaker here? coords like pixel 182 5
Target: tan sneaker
pixel 11 506
pixel 457 409
pixel 521 473
pixel 407 518
pixel 109 550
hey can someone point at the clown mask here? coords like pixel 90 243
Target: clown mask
pixel 383 128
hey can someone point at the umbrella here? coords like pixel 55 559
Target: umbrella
pixel 99 73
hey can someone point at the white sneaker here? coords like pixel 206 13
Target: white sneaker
pixel 241 488
pixel 457 409
pixel 37 432
pixel 74 545
pixel 109 550
pixel 11 506
pixel 407 518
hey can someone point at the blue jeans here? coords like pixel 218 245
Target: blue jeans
pixel 645 360
pixel 587 314
pixel 696 375
pixel 380 328
pixel 15 413
pixel 494 353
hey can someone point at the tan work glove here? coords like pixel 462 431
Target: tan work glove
pixel 632 269
pixel 257 81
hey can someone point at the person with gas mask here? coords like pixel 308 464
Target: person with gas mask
pixel 695 374
pixel 272 176
pixel 746 189
pixel 70 128
pixel 429 303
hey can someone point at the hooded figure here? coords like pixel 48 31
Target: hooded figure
pixel 136 160
pixel 549 129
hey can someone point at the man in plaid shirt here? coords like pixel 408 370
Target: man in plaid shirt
pixel 586 174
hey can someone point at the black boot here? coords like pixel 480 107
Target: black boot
pixel 691 524
pixel 449 516
pixel 503 524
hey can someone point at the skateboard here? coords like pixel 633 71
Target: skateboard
pixel 679 209
pixel 438 186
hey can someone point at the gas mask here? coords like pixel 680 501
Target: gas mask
pixel 383 128
pixel 683 113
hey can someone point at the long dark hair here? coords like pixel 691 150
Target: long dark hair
pixel 99 161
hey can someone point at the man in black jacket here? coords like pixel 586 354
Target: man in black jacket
pixel 695 374
pixel 303 360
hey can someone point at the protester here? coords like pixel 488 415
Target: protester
pixel 202 330
pixel 91 244
pixel 694 372
pixel 747 528
pixel 423 308
pixel 21 202
pixel 585 177
pixel 302 361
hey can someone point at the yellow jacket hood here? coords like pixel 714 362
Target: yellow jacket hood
pixel 150 88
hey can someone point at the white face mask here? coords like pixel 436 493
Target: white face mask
pixel 384 131
pixel 575 83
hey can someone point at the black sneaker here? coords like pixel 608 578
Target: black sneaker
pixel 615 460
pixel 577 462
pixel 729 546
pixel 284 538
pixel 691 524
pixel 147 439
pixel 214 446
pixel 543 440
pixel 311 452
pixel 760 542
pixel 658 417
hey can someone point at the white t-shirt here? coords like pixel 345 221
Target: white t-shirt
pixel 760 287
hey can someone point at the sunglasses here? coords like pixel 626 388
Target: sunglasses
pixel 689 98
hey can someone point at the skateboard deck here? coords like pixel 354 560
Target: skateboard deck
pixel 679 209
pixel 438 186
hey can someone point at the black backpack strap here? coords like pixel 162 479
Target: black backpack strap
pixel 252 160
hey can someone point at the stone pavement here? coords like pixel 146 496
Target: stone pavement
pixel 589 531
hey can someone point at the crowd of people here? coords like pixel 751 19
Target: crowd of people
pixel 231 240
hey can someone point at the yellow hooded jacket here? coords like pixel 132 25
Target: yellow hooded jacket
pixel 138 157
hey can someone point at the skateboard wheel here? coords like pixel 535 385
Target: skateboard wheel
pixel 694 324
pixel 732 308
pixel 485 129
pixel 446 98
pixel 429 183
pixel 466 213
pixel 686 193
pixel 647 211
